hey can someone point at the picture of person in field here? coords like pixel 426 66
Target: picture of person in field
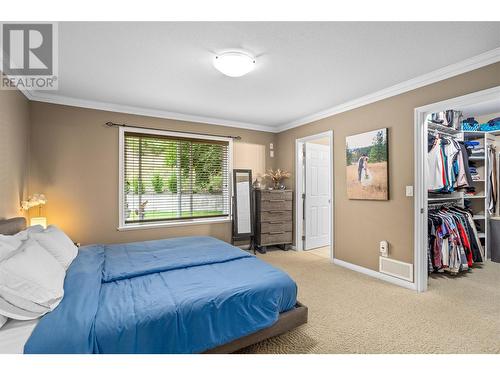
pixel 364 175
pixel 366 162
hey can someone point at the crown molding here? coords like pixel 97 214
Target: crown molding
pixel 467 65
pixel 141 111
pixel 475 62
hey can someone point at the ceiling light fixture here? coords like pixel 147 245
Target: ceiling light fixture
pixel 234 63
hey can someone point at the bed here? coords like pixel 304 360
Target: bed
pixel 180 295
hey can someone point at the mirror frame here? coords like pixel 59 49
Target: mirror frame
pixel 236 235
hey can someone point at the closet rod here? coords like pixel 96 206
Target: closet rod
pixel 113 124
pixel 442 204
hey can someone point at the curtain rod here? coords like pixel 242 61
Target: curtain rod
pixel 113 124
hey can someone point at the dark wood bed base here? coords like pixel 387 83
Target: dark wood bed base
pixel 287 321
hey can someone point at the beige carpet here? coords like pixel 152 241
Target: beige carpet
pixel 323 252
pixel 353 313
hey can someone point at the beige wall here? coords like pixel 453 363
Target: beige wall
pixel 360 225
pixel 75 163
pixel 325 141
pixel 14 142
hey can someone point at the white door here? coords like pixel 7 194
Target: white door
pixel 317 196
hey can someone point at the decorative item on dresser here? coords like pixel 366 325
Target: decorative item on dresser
pixel 273 219
pixel 277 177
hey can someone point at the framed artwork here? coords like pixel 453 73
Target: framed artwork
pixel 367 165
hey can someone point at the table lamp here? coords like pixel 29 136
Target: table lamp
pixel 34 201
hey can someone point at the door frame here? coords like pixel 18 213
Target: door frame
pixel 420 152
pixel 299 179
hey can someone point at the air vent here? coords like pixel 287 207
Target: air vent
pixel 396 268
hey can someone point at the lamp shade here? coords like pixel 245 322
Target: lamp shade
pixel 39 221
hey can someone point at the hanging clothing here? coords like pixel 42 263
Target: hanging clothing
pixel 435 168
pixel 454 243
pixel 491 176
pixel 465 178
pixel 447 165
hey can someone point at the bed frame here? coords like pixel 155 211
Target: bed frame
pixel 287 320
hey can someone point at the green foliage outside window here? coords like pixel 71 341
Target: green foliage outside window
pixel 157 182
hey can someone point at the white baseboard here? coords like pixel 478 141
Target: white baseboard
pixel 377 275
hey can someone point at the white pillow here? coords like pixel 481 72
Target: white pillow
pixel 23 303
pixel 3 320
pixel 32 274
pixel 8 245
pixel 24 234
pixel 10 311
pixel 57 243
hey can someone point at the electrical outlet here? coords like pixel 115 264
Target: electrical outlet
pixel 271 146
pixel 271 153
pixel 409 191
pixel 384 248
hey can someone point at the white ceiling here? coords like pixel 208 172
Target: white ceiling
pixel 302 67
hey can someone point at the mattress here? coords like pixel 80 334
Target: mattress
pixel 14 334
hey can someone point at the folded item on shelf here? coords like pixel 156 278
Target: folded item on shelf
pixel 492 125
pixel 470 124
pixel 472 143
pixel 449 118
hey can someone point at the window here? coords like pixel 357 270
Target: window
pixel 168 177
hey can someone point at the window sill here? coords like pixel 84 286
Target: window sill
pixel 164 224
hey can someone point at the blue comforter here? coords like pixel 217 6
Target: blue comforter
pixel 180 295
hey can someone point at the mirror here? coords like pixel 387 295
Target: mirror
pixel 242 204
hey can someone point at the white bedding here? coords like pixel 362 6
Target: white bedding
pixel 14 334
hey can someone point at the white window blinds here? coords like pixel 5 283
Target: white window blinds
pixel 174 178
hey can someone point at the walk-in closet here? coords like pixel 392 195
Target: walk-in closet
pixel 461 168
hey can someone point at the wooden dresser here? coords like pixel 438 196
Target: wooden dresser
pixel 273 215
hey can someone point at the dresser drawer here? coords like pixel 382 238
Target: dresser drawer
pixel 276 194
pixel 276 226
pixel 275 238
pixel 276 204
pixel 275 216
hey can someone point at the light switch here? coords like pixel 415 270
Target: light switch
pixel 409 191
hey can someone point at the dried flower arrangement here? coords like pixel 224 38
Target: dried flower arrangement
pixel 277 176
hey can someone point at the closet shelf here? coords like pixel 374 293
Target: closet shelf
pixel 473 133
pixel 481 235
pixel 435 199
pixel 476 157
pixel 478 217
pixel 474 196
pixel 443 129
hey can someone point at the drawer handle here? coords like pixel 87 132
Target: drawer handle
pixel 276 212
pixel 276 200
pixel 276 222
pixel 277 232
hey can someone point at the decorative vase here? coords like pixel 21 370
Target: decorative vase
pixel 277 185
